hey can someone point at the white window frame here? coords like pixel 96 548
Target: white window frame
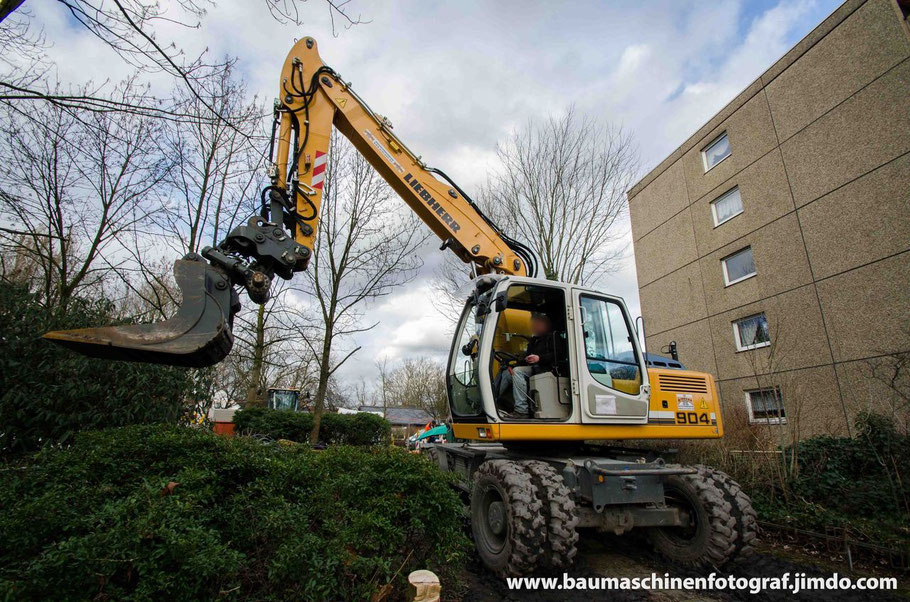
pixel 769 420
pixel 739 343
pixel 723 263
pixel 722 197
pixel 704 152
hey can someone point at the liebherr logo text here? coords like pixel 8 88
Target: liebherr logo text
pixel 433 203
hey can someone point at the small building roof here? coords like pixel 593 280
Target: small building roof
pixel 400 416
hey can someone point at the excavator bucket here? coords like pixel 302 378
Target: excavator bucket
pixel 198 335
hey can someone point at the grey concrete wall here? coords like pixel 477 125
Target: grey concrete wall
pixel 821 155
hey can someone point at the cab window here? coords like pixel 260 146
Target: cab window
pixel 464 390
pixel 609 348
pixel 533 322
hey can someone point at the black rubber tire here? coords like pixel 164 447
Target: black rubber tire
pixel 743 513
pixel 711 541
pixel 515 549
pixel 431 454
pixel 559 513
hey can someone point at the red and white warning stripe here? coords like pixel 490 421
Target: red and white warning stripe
pixel 319 164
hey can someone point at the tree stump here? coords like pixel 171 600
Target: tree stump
pixel 425 586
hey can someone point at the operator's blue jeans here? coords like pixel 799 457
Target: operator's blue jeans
pixel 518 379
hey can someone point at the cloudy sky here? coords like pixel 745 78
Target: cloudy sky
pixel 455 77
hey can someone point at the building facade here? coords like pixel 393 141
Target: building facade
pixel 774 245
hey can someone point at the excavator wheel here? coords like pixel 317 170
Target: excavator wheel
pixel 559 513
pixel 743 513
pixel 507 518
pixel 710 538
pixel 431 454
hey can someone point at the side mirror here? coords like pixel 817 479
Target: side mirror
pixel 501 302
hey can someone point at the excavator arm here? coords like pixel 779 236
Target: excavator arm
pixel 312 99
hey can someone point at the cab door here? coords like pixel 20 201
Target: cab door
pixel 611 375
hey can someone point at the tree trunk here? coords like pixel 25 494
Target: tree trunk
pixel 324 373
pixel 254 393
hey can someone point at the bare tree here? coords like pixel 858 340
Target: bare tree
pixel 562 190
pixel 893 371
pixel 129 28
pixel 365 248
pixel 72 188
pixel 214 182
pixel 419 383
pixel 270 349
pixel 382 366
pixel 216 171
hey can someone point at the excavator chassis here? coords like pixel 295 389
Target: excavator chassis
pixel 525 506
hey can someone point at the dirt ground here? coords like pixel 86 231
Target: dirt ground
pixel 630 556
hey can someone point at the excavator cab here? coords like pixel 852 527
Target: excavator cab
pixel 596 385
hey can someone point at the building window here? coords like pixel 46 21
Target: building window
pixel 716 152
pixel 726 206
pixel 766 405
pixel 751 332
pixel 738 266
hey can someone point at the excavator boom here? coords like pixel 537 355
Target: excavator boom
pixel 313 99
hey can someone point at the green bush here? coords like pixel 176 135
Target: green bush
pixel 277 424
pixel 858 475
pixel 240 520
pixel 48 393
pixel 337 429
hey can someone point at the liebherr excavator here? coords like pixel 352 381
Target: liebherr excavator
pixel 532 479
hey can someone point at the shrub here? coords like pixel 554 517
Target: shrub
pixel 277 424
pixel 856 483
pixel 48 393
pixel 338 429
pixel 858 475
pixel 169 512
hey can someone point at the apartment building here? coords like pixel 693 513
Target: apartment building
pixel 774 245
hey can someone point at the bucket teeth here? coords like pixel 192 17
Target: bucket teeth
pixel 198 335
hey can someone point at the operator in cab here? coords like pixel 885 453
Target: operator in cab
pixel 539 357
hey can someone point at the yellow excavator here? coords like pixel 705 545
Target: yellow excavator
pixel 545 379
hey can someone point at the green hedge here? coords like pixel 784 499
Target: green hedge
pixel 97 520
pixel 338 429
pixel 858 483
pixel 862 475
pixel 48 393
